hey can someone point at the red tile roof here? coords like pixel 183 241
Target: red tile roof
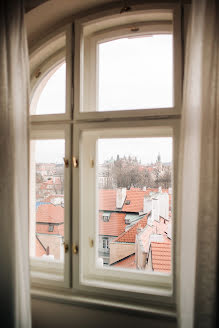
pixel 127 263
pixel 107 199
pixel 44 228
pixel 114 227
pixel 136 198
pixel 50 213
pixel 129 235
pixel 161 256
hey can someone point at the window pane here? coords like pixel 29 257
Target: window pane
pixel 47 213
pixel 134 178
pixel 50 95
pixel 136 73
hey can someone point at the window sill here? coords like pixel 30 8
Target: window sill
pixel 67 296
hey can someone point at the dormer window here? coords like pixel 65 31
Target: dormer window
pixel 106 217
pixel 51 227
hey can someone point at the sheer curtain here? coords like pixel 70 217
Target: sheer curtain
pixel 199 168
pixel 14 272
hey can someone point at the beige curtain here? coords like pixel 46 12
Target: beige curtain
pixel 198 197
pixel 14 266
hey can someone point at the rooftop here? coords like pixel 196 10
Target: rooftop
pixel 49 213
pixel 130 235
pixel 161 256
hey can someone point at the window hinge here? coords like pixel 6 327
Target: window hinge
pixel 75 249
pixel 75 162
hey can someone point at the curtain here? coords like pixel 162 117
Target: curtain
pixel 199 159
pixel 14 272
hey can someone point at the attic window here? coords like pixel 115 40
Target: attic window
pixel 51 227
pixel 127 202
pixel 106 217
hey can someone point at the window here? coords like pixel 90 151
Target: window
pixel 51 228
pixel 104 174
pixel 51 99
pixel 106 217
pixel 105 243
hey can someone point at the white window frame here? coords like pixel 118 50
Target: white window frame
pixel 84 64
pixel 46 56
pixel 128 280
pixel 43 271
pixel 156 299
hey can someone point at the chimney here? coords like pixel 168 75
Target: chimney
pixel 144 188
pixel 160 189
pixel 155 209
pixel 147 204
pixel 120 197
pixel 164 205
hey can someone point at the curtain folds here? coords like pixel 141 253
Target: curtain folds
pixel 199 168
pixel 14 80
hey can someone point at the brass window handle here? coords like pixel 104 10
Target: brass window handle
pixel 75 249
pixel 66 247
pixel 75 162
pixel 66 161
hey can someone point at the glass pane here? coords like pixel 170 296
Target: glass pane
pixel 134 179
pixel 47 214
pixel 50 95
pixel 136 73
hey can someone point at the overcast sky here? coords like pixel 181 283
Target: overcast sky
pixel 50 151
pixel 133 73
pixel 145 149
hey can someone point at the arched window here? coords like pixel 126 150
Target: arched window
pixel 105 106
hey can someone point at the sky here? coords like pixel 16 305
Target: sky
pixel 145 149
pixel 143 70
pixel 49 151
pixel 136 73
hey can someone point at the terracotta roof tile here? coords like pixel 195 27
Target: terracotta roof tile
pixel 107 199
pixel 127 263
pixel 136 198
pixel 130 235
pixel 161 256
pixel 50 213
pixel 44 228
pixel 114 227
